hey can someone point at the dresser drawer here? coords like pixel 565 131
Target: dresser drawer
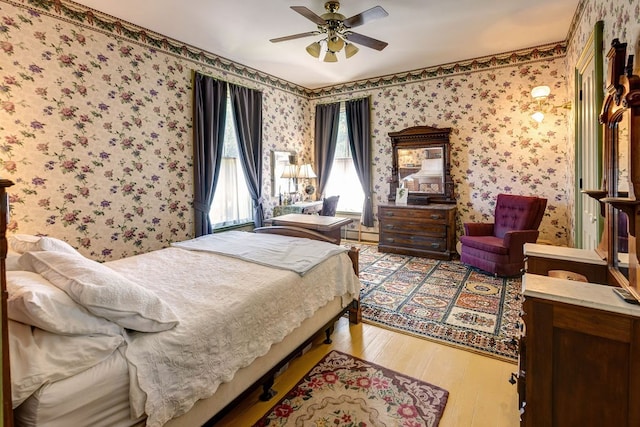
pixel 422 215
pixel 414 225
pixel 414 241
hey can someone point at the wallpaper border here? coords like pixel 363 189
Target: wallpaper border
pixel 105 23
pixel 522 56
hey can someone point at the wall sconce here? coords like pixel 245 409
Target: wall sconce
pixel 540 95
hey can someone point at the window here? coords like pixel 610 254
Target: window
pixel 343 179
pixel 232 202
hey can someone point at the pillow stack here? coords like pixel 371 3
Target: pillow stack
pixel 68 313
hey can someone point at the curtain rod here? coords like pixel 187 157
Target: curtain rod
pixel 342 100
pixel 226 81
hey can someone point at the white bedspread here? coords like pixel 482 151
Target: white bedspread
pixel 230 313
pixel 289 253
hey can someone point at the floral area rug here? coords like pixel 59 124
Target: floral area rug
pixel 442 300
pixel 342 390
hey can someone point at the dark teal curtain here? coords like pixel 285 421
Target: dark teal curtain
pixel 359 129
pixel 247 111
pixel 209 111
pixel 326 139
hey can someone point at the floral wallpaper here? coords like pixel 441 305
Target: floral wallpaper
pixel 495 145
pixel 95 124
pixel 95 131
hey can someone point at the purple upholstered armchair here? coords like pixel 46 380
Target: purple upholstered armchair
pixel 498 247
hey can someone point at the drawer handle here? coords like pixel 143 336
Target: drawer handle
pixel 390 226
pixel 435 245
pixel 436 216
pixel 389 213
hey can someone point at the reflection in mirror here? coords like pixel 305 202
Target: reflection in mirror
pixel 622 242
pixel 279 161
pixel 621 186
pixel 421 164
pixel 421 169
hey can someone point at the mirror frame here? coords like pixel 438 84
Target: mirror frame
pixel 622 102
pixel 277 155
pixel 422 137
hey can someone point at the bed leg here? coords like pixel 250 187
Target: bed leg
pixel 355 312
pixel 328 333
pixel 267 391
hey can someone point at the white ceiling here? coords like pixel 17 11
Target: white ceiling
pixel 420 33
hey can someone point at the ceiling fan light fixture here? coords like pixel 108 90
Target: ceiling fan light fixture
pixel 336 31
pixel 314 49
pixel 335 43
pixel 350 49
pixel 330 56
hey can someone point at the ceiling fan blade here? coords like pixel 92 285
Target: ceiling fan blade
pixel 366 16
pixel 294 36
pixel 310 15
pixel 365 41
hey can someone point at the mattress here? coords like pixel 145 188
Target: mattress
pixel 96 397
pixel 99 396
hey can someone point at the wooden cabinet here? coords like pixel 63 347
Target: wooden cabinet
pixel 540 259
pixel 418 230
pixel 579 355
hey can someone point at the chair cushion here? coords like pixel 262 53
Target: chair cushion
pixel 485 243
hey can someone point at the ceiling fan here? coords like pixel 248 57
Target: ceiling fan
pixel 336 29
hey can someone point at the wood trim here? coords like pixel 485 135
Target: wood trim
pixel 539 325
pixel 7 404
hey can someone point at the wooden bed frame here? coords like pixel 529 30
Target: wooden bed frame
pixel 266 381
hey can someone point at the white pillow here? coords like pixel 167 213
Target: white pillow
pixel 22 243
pixel 38 356
pixel 34 300
pixel 103 291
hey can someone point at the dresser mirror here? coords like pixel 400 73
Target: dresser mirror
pixel 279 161
pixel 421 165
pixel 621 168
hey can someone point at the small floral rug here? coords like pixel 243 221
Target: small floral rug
pixel 342 390
pixel 442 300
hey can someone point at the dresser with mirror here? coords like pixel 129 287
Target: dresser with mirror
pixel 422 221
pixel 580 345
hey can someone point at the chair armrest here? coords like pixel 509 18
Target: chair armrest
pixel 478 228
pixel 515 240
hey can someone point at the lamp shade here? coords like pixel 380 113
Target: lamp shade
pixel 330 57
pixel 314 49
pixel 350 50
pixel 540 92
pixel 290 171
pixel 306 171
pixel 537 116
pixel 335 43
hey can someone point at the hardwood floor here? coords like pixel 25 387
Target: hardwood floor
pixel 479 392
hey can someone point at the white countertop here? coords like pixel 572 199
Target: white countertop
pixel 561 252
pixel 583 294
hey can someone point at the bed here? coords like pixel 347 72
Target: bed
pixel 163 338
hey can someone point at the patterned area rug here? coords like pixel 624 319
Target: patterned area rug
pixel 441 300
pixel 342 390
